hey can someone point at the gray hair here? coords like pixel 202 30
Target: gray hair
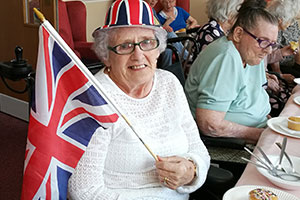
pixel 284 10
pixel 250 12
pixel 102 38
pixel 221 10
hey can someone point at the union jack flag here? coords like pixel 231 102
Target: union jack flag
pixel 67 108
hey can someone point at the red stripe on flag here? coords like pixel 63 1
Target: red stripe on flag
pixel 101 118
pixel 48 66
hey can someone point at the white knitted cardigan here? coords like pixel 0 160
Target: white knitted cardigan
pixel 117 166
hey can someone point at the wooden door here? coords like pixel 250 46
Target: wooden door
pixel 15 31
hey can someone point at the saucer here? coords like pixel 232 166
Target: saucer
pixel 297 80
pixel 279 125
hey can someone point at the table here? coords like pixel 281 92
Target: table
pixel 266 141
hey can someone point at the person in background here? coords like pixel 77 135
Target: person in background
pixel 222 16
pixel 287 11
pixel 174 18
pixel 116 165
pixel 165 59
pixel 225 85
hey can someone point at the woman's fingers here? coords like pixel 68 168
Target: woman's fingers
pixel 178 170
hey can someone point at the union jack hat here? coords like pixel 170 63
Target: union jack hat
pixel 124 13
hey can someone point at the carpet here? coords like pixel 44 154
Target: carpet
pixel 13 133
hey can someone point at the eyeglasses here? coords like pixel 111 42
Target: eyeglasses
pixel 129 47
pixel 263 43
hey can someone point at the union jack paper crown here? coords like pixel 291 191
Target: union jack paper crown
pixel 124 13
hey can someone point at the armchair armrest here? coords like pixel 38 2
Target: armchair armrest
pixel 218 181
pixel 227 142
pixel 218 176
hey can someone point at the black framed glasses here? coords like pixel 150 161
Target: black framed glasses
pixel 263 43
pixel 129 47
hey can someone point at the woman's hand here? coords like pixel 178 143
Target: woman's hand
pixel 287 51
pixel 169 20
pixel 288 77
pixel 168 28
pixel 167 23
pixel 175 171
pixel 273 83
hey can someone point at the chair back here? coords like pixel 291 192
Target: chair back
pixel 64 26
pixel 176 67
pixel 72 17
pixel 77 18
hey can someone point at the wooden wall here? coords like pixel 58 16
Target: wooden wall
pixel 14 32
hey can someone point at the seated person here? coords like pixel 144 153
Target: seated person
pixel 287 11
pixel 165 58
pixel 225 85
pixel 273 60
pixel 175 18
pixel 222 15
pixel 116 165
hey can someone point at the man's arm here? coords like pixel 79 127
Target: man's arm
pixel 212 123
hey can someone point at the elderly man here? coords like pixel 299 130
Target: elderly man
pixel 225 84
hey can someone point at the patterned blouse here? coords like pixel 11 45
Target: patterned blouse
pixel 209 33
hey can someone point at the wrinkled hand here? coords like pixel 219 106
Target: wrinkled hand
pixel 178 171
pixel 288 51
pixel 288 77
pixel 168 28
pixel 273 83
pixel 170 19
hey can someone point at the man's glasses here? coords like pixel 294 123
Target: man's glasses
pixel 263 43
pixel 128 47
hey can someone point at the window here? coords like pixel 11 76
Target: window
pixel 29 16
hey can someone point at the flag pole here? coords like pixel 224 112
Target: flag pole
pixel 83 68
pixel 39 15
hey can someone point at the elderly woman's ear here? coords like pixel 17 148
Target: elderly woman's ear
pixel 237 34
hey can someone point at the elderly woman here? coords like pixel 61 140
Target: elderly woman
pixel 175 18
pixel 116 165
pixel 222 15
pixel 287 11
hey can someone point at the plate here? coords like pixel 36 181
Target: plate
pixel 279 124
pixel 290 185
pixel 297 100
pixel 297 80
pixel 242 193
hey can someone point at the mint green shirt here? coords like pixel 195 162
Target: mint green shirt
pixel 218 81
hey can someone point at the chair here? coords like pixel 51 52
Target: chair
pixel 176 67
pixel 218 181
pixel 190 45
pixel 72 28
